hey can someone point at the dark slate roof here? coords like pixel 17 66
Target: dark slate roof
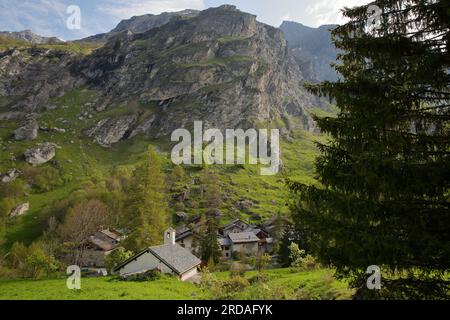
pixel 176 257
pixel 243 237
pixel 235 222
pixel 224 241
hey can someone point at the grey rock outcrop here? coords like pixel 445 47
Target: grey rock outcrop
pixel 33 75
pixel 29 131
pixel 141 24
pixel 20 210
pixel 220 66
pixel 313 49
pixel 109 131
pixel 10 176
pixel 42 154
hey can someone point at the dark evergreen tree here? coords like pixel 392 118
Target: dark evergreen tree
pixel 384 195
pixel 209 246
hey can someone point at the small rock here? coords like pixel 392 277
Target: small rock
pixel 20 210
pixel 42 154
pixel 244 205
pixel 10 176
pixel 28 132
pixel 59 130
pixel 51 107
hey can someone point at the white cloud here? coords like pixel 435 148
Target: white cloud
pixel 329 11
pixel 126 9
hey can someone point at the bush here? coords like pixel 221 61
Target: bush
pixel 151 275
pixel 32 262
pixel 259 278
pixel 43 179
pixel 117 257
pixel 237 269
pixel 300 260
pixel 261 261
pixel 235 284
pixel 222 289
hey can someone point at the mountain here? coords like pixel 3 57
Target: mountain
pixel 29 37
pixel 313 49
pixel 140 24
pixel 90 115
pixel 221 66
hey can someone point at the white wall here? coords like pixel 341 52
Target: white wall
pixel 189 274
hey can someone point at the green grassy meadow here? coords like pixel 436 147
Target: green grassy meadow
pixel 281 284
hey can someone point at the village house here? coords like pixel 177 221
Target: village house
pixel 98 246
pixel 186 237
pixel 236 236
pixel 169 258
pixel 234 226
pixel 244 242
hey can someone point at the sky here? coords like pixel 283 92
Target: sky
pixel 49 17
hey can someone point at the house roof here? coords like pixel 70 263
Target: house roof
pixel 183 235
pixel 103 245
pixel 177 258
pixel 224 241
pixel 235 223
pixel 111 234
pixel 243 237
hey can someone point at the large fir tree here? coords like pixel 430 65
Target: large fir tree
pixel 147 213
pixel 384 198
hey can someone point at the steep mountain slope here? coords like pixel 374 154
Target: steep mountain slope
pixel 221 66
pixel 313 49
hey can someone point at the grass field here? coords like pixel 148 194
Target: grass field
pixel 317 284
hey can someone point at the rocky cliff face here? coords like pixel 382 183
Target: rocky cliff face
pixel 313 49
pixel 141 24
pixel 220 66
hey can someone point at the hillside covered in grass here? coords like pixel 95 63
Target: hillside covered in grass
pixel 81 166
pixel 281 284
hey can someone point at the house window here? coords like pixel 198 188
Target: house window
pixel 227 254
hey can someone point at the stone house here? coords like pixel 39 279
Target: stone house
pixel 169 258
pixel 98 246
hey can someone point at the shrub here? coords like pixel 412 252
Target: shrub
pixel 43 179
pixel 237 269
pixel 259 278
pixel 235 284
pixel 150 275
pixel 261 261
pixel 116 257
pixel 222 289
pixel 300 260
pixel 32 262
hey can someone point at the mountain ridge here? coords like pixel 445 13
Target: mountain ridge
pixel 222 67
pixel 313 49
